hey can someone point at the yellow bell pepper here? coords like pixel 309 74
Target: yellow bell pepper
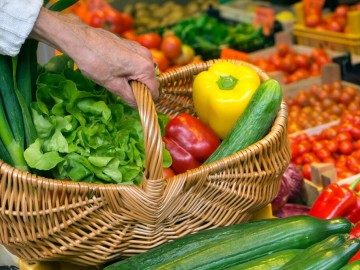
pixel 221 94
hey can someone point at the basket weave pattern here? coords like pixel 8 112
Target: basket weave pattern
pixel 90 224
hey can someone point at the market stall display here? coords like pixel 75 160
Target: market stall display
pixel 290 146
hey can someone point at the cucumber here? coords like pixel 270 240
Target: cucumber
pixel 251 240
pixel 327 259
pixel 272 261
pixel 254 123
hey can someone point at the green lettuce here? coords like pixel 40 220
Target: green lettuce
pixel 85 133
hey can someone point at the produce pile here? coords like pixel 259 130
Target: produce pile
pixel 321 104
pixel 298 242
pixel 295 65
pixel 334 22
pixel 338 144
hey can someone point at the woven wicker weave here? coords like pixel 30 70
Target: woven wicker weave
pixel 90 224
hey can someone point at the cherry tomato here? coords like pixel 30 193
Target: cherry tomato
pixel 323 154
pixel 167 172
pixel 282 49
pixel 345 147
pixel 328 133
pixel 309 157
pixel 356 145
pixel 343 136
pixel 306 171
pixel 332 146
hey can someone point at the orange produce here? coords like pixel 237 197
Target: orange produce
pixel 160 59
pixel 171 46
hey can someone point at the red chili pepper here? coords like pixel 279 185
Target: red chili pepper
pixel 333 201
pixel 189 141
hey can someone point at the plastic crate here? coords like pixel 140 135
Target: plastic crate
pixel 346 42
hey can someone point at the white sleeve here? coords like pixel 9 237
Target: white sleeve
pixel 17 18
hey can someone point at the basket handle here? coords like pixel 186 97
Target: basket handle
pixel 152 137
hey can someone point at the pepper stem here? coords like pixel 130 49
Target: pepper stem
pixel 354 184
pixel 227 82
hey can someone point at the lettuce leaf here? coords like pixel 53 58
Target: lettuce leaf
pixel 85 133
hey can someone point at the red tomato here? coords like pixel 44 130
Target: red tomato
pixel 282 49
pixel 302 60
pixel 328 133
pixel 356 145
pixel 332 146
pixel 171 46
pixel 128 21
pixel 329 160
pixel 167 172
pixel 342 10
pixel 96 19
pixel 345 147
pixel 309 157
pixel 323 154
pixel 317 145
pixel 114 21
pixel 343 136
pixel 306 171
pixel 149 40
pixel 313 19
pixel 288 64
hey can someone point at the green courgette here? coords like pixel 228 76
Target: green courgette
pixel 272 261
pixel 327 259
pixel 250 242
pixel 332 241
pixel 254 123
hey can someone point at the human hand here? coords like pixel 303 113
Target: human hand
pixel 103 57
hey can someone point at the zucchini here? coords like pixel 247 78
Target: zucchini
pixel 327 259
pixel 254 123
pixel 272 261
pixel 251 240
pixel 332 241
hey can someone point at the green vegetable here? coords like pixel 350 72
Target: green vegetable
pixel 326 259
pixel 250 242
pixel 207 35
pixel 17 82
pixel 85 133
pixel 11 121
pixel 332 241
pixel 272 261
pixel 254 123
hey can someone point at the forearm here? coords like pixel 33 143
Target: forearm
pixel 58 31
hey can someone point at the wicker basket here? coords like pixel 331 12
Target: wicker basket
pixel 90 224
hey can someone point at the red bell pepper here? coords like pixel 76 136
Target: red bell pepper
pixel 333 201
pixel 355 233
pixel 189 141
pixel 353 214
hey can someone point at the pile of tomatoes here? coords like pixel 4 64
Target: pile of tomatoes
pixel 167 50
pixel 338 144
pixel 320 104
pixel 100 14
pixel 335 22
pixel 296 66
